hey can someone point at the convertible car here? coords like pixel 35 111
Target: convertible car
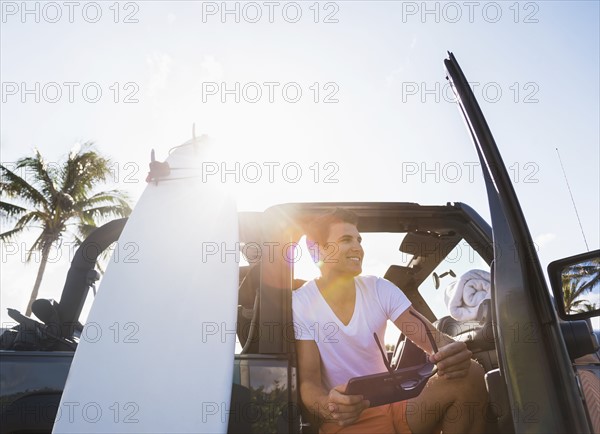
pixel 542 362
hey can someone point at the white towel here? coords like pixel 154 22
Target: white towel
pixel 464 296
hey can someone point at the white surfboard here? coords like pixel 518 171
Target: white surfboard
pixel 157 351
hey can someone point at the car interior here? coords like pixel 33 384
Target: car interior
pixel 429 248
pixel 417 244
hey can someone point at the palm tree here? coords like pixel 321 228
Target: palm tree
pixel 52 197
pixel 577 281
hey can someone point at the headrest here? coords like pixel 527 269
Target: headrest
pixel 400 276
pixel 427 244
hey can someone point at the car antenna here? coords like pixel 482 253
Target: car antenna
pixel 572 200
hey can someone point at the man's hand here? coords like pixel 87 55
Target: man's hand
pixel 345 409
pixel 452 360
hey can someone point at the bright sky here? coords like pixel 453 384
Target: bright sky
pixel 373 110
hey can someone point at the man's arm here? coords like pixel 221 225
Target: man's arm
pixel 330 405
pixel 453 359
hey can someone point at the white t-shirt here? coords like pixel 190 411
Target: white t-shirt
pixel 348 350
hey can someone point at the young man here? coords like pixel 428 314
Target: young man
pixel 336 316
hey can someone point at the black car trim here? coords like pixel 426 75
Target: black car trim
pixel 544 360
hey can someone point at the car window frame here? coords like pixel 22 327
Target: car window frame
pixel 538 371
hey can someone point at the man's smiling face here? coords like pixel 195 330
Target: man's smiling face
pixel 343 254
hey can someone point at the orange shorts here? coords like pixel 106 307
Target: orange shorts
pixel 389 418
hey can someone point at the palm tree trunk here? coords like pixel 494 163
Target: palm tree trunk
pixel 38 279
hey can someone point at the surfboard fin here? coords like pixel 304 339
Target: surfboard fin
pixel 157 169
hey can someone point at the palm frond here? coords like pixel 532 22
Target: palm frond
pixel 104 212
pixel 10 235
pixel 32 216
pixel 581 306
pixel 14 186
pixel 83 231
pixel 104 198
pixel 82 171
pixel 44 173
pixel 85 219
pixel 9 210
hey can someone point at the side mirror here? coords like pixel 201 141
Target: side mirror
pixel 575 283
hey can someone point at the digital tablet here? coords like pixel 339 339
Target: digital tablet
pixel 397 384
pixel 385 388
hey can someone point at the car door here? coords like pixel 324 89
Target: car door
pixel 542 389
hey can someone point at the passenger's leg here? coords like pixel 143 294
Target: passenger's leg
pixel 459 404
pixel 372 420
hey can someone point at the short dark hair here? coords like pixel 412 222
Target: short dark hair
pixel 318 230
